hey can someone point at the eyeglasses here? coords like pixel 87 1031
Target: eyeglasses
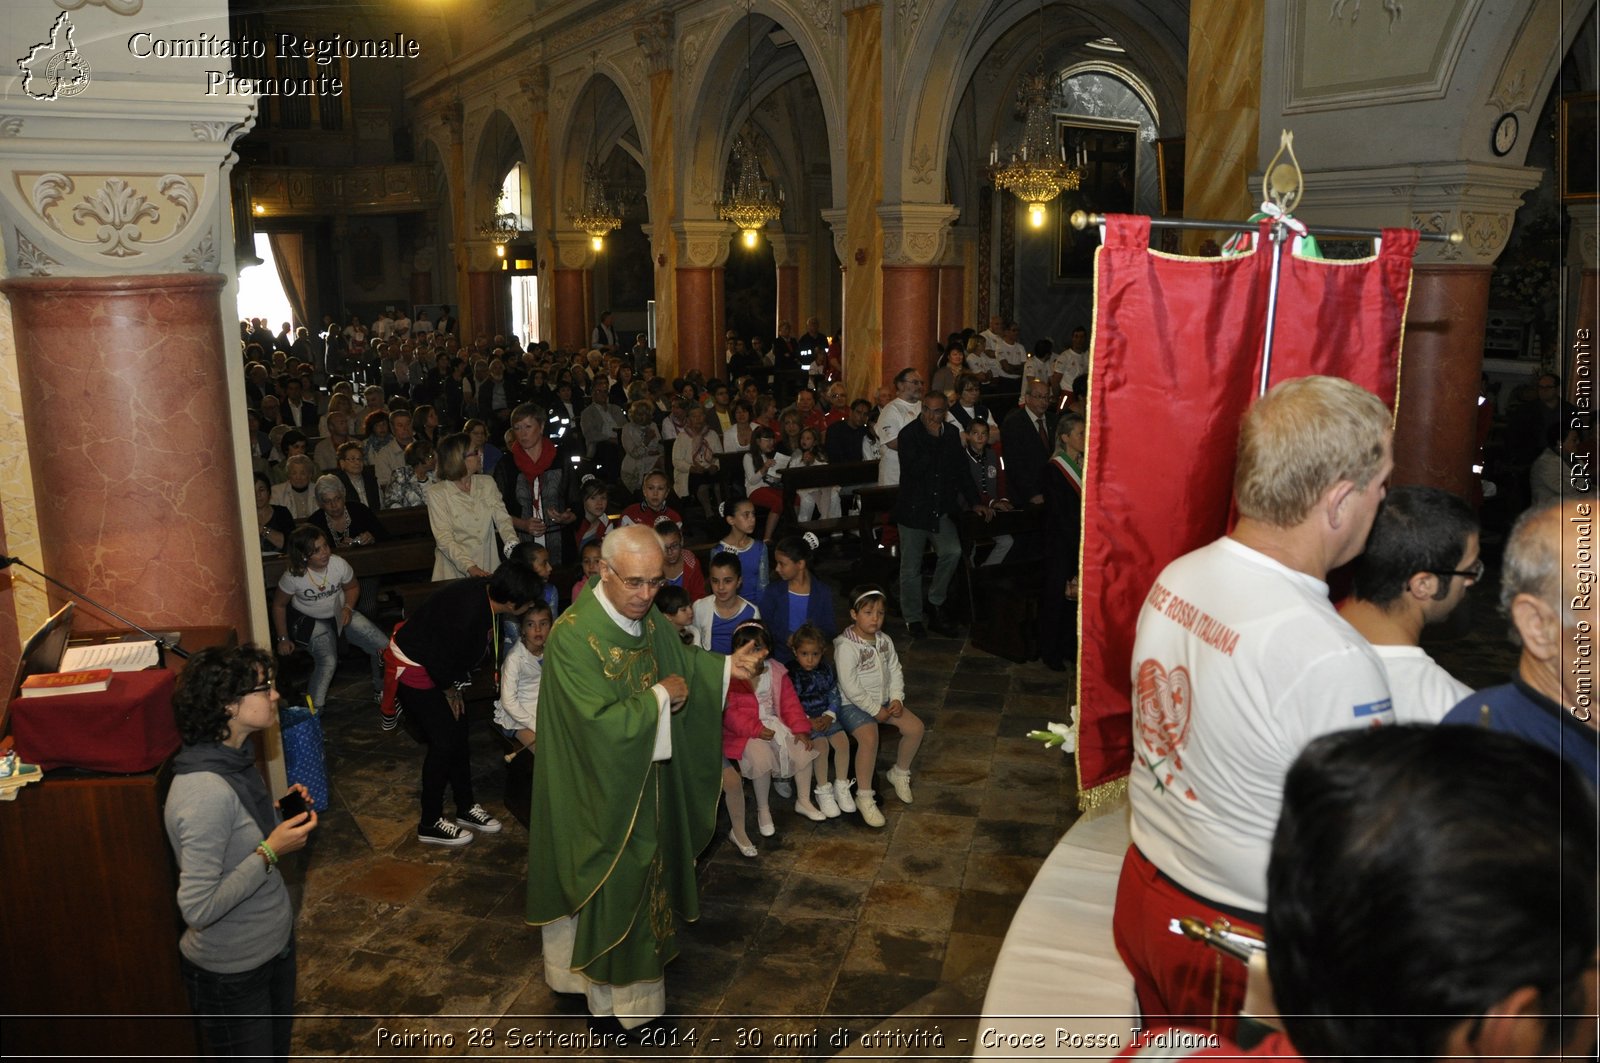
pixel 637 583
pixel 264 688
pixel 474 454
pixel 1473 574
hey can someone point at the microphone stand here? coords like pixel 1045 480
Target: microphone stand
pixel 162 645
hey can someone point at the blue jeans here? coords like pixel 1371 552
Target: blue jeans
pixel 324 648
pixel 246 1014
pixel 947 551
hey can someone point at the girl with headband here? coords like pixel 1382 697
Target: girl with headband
pixel 796 597
pixel 874 689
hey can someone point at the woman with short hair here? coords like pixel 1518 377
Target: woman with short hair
pixel 237 961
pixel 465 510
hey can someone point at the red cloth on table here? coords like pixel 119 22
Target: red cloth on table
pixel 124 729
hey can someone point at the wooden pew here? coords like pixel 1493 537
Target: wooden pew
pixel 798 478
pixel 1004 598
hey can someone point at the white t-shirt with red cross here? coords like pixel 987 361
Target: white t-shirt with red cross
pixel 1238 663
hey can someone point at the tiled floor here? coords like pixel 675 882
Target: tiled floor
pixel 834 928
pixel 832 919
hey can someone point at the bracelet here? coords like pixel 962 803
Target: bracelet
pixel 268 855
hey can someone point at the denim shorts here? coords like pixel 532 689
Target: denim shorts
pixel 828 732
pixel 854 718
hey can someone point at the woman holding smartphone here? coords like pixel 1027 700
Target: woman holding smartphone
pixel 238 950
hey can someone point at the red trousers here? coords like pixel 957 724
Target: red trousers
pixel 1175 978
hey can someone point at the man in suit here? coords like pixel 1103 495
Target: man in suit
pixel 360 479
pixel 1025 434
pixel 298 411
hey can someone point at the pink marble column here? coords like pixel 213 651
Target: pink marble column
pixel 789 298
pixel 1441 362
pixel 485 315
pixel 699 288
pixel 124 388
pixel 571 304
pixel 421 289
pixel 910 317
pixel 952 297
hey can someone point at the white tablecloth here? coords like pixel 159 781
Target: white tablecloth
pixel 1058 990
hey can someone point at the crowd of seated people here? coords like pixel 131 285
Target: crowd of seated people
pixel 529 455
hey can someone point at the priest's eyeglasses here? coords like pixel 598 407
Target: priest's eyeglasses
pixel 637 583
pixel 1473 574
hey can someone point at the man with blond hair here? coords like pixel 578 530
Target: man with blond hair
pixel 1547 591
pixel 1239 661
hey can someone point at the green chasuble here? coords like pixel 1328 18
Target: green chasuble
pixel 612 834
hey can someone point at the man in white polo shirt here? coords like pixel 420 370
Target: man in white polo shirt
pixel 1420 559
pixel 1240 660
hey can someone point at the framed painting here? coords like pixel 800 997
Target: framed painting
pixel 1580 128
pixel 1107 151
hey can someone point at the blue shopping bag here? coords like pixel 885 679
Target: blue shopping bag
pixel 302 752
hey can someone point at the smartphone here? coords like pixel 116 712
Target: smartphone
pixel 293 805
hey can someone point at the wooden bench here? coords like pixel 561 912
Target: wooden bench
pixel 406 522
pixel 797 478
pixel 1004 598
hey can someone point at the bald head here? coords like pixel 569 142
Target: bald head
pixel 632 561
pixel 637 539
pixel 1547 590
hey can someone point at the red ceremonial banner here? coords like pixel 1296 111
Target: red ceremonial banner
pixel 1175 362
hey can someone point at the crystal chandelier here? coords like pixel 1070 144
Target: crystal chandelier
pixel 597 217
pixel 750 202
pixel 1038 169
pixel 501 228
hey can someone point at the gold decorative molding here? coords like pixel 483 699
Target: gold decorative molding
pixel 653 35
pixel 297 191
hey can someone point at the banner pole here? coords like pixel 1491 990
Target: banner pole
pixel 1276 237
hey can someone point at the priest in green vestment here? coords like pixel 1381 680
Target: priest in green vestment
pixel 625 786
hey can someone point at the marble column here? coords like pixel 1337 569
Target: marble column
pixel 1441 357
pixel 1435 437
pixel 535 86
pixel 125 395
pixel 460 253
pixel 786 257
pixel 1224 110
pixel 572 290
pixel 862 254
pixel 655 38
pixel 913 245
pixel 702 250
pixel 481 299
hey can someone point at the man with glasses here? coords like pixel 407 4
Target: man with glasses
pixel 1547 590
pixel 1422 554
pixel 625 795
pixel 901 411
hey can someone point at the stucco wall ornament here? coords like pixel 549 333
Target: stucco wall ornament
pixel 116 7
pixel 1391 7
pixel 202 257
pixel 31 259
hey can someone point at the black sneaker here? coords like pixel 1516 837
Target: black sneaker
pixel 443 832
pixel 478 819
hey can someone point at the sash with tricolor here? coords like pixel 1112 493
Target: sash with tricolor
pixel 1175 363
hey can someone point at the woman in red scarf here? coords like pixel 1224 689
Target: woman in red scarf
pixel 532 482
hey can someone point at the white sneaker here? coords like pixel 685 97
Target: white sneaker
pixel 784 787
pixel 826 802
pixel 841 791
pixel 867 804
pixel 809 810
pixel 901 781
